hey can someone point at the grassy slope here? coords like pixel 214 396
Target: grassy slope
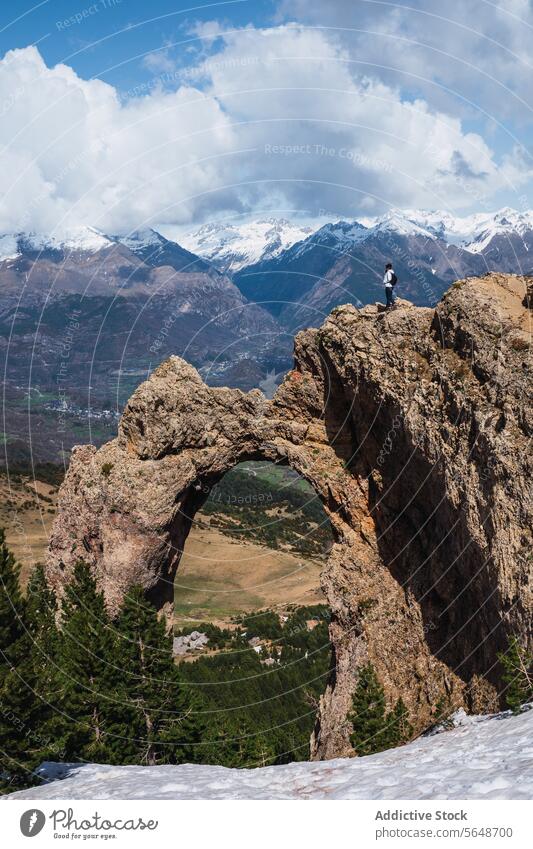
pixel 220 577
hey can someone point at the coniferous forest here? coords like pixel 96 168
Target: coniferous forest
pixel 79 686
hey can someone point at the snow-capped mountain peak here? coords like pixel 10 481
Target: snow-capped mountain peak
pixel 411 222
pixel 346 229
pixel 485 227
pixel 400 223
pixel 72 239
pixel 145 238
pixel 472 232
pixel 232 246
pixel 9 248
pixel 75 240
pixel 340 234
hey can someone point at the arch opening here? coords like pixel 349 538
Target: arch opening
pixel 262 529
pixel 279 483
pixel 250 620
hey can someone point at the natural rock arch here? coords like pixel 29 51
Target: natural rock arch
pixel 396 422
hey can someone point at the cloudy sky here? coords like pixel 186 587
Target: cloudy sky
pixel 124 114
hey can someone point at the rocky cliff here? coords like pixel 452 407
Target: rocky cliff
pixel 414 428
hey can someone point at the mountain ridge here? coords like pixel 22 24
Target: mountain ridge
pixel 343 261
pixel 213 241
pixel 84 316
pixel 138 296
pixel 231 247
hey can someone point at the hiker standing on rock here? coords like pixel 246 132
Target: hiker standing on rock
pixel 390 281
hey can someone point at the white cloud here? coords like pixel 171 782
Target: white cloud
pixel 471 58
pixel 208 31
pixel 159 61
pixel 297 86
pixel 73 153
pixel 279 117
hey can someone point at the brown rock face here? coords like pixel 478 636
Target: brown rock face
pixel 414 428
pixel 528 297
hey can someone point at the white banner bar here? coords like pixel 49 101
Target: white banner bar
pixel 267 825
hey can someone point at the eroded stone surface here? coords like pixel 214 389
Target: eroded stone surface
pixel 414 428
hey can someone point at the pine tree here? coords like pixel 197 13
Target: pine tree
pixel 13 644
pixel 166 721
pixel 232 741
pixel 375 729
pixel 91 722
pixel 27 691
pixel 399 727
pixel 517 675
pixel 368 715
pixel 38 668
pixel 41 610
pixel 11 610
pixel 12 632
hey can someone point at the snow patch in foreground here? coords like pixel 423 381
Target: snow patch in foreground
pixel 483 757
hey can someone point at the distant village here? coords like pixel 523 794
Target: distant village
pixel 66 407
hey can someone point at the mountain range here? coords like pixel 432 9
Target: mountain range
pixel 343 261
pixel 232 247
pixel 84 315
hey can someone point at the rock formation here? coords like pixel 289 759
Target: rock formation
pixel 528 297
pixel 414 428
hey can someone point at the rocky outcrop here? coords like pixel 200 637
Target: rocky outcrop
pixel 414 428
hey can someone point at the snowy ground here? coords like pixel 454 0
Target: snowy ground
pixel 487 757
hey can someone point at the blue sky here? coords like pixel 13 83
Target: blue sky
pixel 127 113
pixel 106 37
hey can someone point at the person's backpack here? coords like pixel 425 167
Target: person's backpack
pixel 394 279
